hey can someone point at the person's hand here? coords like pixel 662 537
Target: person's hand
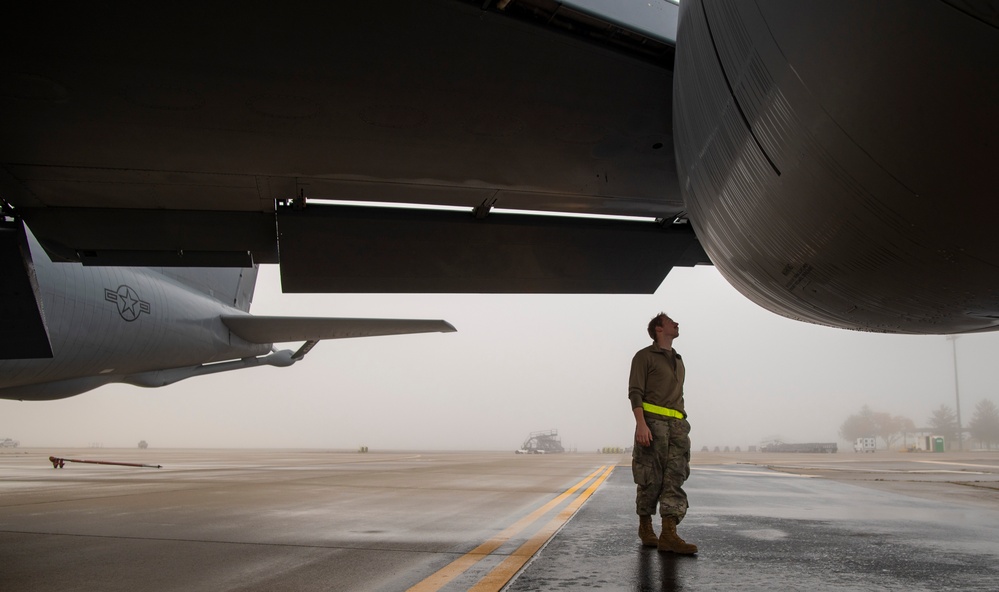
pixel 643 435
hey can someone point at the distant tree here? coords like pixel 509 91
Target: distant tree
pixel 908 427
pixel 859 425
pixel 984 425
pixel 891 427
pixel 944 422
pixel 875 424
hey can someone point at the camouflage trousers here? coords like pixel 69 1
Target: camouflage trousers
pixel 661 468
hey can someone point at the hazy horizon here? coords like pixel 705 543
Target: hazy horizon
pixel 526 363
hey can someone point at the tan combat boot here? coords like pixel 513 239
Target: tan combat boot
pixel 645 532
pixel 669 541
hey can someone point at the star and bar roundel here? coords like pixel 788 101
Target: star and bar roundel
pixel 130 306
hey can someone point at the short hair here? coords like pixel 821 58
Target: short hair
pixel 656 321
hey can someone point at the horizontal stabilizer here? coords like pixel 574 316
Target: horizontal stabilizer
pixel 261 329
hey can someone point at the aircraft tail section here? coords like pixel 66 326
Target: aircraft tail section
pixel 233 286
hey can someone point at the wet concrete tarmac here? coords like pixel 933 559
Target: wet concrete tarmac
pixel 315 520
pixel 276 520
pixel 758 529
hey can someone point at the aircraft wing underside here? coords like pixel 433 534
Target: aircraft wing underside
pixel 124 147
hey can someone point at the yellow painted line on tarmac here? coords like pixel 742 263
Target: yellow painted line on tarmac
pixel 501 574
pixel 441 577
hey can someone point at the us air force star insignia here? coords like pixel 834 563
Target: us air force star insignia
pixel 129 304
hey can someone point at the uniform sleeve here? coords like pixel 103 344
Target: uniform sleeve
pixel 636 382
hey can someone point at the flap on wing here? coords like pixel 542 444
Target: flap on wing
pixel 360 249
pixel 262 329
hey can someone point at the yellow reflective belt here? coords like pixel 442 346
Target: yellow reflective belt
pixel 662 410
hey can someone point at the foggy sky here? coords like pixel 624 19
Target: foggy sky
pixel 522 363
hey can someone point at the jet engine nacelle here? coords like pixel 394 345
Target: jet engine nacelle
pixel 837 158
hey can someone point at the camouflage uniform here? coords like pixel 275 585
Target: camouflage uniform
pixel 660 469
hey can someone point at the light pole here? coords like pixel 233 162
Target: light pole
pixel 957 394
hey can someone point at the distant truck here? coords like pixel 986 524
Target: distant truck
pixel 9 443
pixel 864 445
